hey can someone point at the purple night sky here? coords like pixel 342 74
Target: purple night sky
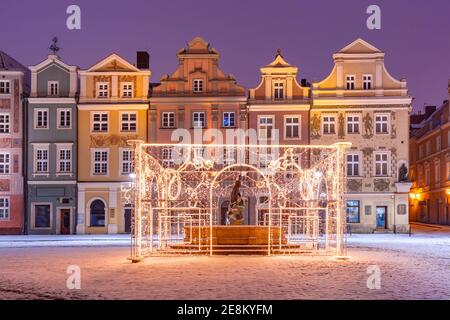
pixel 415 35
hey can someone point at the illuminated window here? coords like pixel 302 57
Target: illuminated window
pixel 353 211
pixel 229 119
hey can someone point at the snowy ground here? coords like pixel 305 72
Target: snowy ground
pixel 416 267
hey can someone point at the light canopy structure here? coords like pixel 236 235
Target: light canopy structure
pixel 293 199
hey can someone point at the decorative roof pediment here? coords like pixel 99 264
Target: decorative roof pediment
pixel 113 63
pixel 198 45
pixel 53 60
pixel 360 46
pixel 279 66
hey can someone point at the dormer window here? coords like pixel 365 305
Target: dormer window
pixel 278 90
pixel 350 82
pixel 198 86
pixel 53 88
pixel 367 82
pixel 102 90
pixel 127 90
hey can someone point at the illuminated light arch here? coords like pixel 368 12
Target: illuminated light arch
pixel 173 198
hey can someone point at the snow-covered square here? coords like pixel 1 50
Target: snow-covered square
pixel 416 267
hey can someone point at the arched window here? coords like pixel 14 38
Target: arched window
pixel 97 213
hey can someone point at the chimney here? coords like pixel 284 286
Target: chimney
pixel 142 60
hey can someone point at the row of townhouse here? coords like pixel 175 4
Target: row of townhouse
pixel 78 123
pixel 430 165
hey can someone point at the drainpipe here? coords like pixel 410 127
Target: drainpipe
pixel 24 161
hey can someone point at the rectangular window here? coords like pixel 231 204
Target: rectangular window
pixel 229 119
pixel 448 170
pixel 428 148
pixel 5 87
pixel 353 124
pixel 437 173
pixel 64 159
pixel 127 161
pixel 292 127
pixel 353 165
pixel 126 90
pixel 41 159
pixel 128 122
pixel 381 123
pixel 102 89
pixel 198 85
pixel 41 118
pixel 100 163
pixel 4 163
pixel 4 208
pixel 198 120
pixel 64 118
pixel 4 123
pixel 329 124
pixel 353 211
pixel 168 120
pixel 265 127
pixel 367 82
pixel 229 156
pixel 381 164
pixel 427 176
pixel 167 157
pixel 350 82
pixel 100 122
pixel 421 151
pixel 438 143
pixel 42 216
pixel 53 88
pixel 278 90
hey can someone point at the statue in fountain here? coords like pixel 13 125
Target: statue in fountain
pixel 236 208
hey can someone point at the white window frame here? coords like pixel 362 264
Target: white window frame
pixel 59 112
pixel 367 80
pixel 93 162
pixel 100 122
pixel 5 124
pixel 128 89
pixel 388 163
pixel 64 147
pixel 292 125
pixel 353 123
pixel 41 147
pixel 6 87
pixel 388 123
pixel 166 118
pixel 128 122
pixel 167 157
pixel 229 156
pixel 327 124
pixel 279 90
pixel 350 82
pixel 197 85
pixel 353 163
pixel 262 127
pixel 6 165
pixel 230 115
pixel 194 122
pixel 51 86
pixel 129 162
pixel 5 210
pixel 36 113
pixel 99 89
